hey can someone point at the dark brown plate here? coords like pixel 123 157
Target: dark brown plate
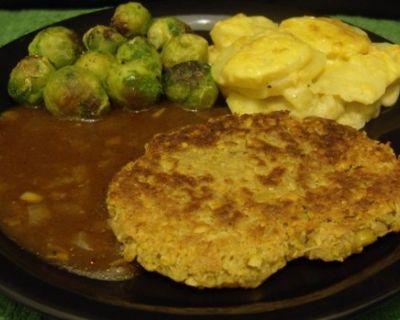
pixel 302 290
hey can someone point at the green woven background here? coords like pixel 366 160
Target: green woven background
pixel 15 23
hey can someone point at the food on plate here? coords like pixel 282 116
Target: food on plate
pixel 97 62
pixel 73 93
pixel 230 202
pixel 131 19
pixel 137 49
pixel 164 29
pixel 60 45
pixel 184 47
pixel 191 85
pixel 333 37
pixel 28 79
pixel 129 58
pixel 54 176
pixel 311 66
pixel 133 85
pixel 103 38
pixel 226 32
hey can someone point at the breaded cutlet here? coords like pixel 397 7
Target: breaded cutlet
pixel 230 202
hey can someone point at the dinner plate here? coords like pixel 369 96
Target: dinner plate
pixel 304 289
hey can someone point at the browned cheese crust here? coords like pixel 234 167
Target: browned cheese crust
pixel 229 202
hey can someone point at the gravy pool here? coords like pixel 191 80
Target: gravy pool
pixel 54 176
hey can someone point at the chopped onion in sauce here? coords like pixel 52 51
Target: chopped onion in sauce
pixel 37 214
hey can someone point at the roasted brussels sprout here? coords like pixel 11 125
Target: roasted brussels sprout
pixel 190 84
pixel 131 19
pixel 133 86
pixel 139 48
pixel 165 28
pixel 103 38
pixel 185 47
pixel 60 45
pixel 99 63
pixel 73 93
pixel 28 79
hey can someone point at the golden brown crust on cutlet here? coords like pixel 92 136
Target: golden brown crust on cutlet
pixel 229 202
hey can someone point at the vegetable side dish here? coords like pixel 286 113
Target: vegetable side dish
pixel 121 64
pixel 312 66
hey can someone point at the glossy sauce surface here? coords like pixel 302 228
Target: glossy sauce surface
pixel 54 176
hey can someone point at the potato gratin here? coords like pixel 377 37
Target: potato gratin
pixel 312 66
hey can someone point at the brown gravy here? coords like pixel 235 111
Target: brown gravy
pixel 54 176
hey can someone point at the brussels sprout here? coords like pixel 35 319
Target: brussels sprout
pixel 165 28
pixel 190 84
pixel 133 86
pixel 73 93
pixel 28 79
pixel 131 19
pixel 139 48
pixel 99 63
pixel 60 45
pixel 185 47
pixel 103 38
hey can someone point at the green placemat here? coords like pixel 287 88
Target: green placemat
pixel 10 310
pixel 16 23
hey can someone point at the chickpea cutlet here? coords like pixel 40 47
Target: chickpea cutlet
pixel 224 203
pixel 228 203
